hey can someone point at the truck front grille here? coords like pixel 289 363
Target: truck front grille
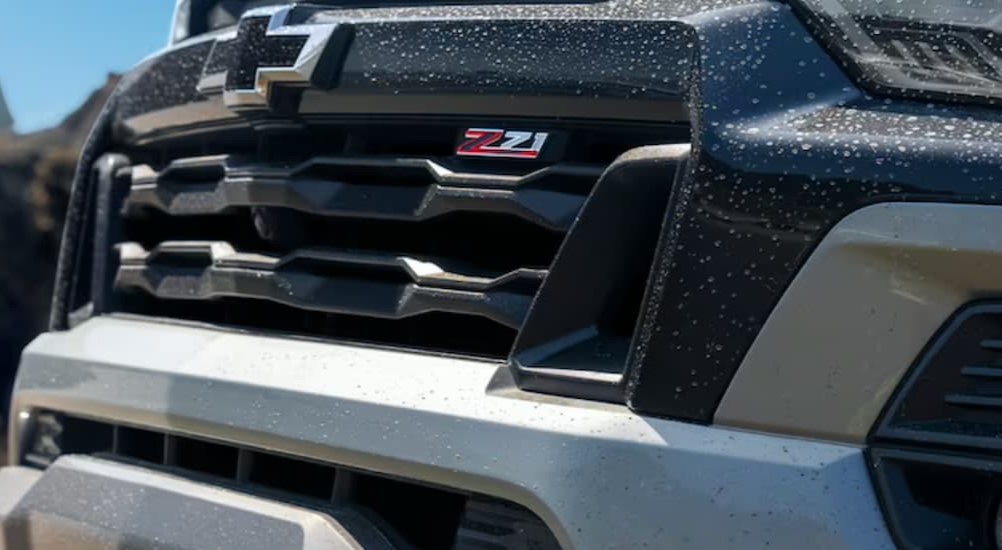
pixel 370 232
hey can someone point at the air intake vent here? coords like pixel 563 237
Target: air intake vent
pixel 954 395
pixel 373 234
pixel 415 515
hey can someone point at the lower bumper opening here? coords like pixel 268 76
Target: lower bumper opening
pixel 416 515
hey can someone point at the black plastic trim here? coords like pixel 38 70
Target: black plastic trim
pixel 933 364
pixel 74 241
pixel 112 187
pixel 329 281
pixel 581 329
pixel 409 189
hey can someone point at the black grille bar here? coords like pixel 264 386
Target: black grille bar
pixel 410 189
pixel 369 284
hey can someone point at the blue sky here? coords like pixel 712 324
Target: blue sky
pixel 53 53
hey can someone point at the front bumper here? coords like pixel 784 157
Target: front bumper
pixel 597 474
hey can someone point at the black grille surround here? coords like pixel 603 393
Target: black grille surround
pixel 378 233
pixel 409 514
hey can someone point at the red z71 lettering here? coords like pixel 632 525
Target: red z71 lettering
pixel 491 142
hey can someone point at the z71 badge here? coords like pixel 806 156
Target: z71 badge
pixel 492 142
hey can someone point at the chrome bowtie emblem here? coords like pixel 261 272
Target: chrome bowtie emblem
pixel 267 49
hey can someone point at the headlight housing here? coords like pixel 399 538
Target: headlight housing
pixel 944 49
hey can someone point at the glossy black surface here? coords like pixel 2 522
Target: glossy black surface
pixel 611 59
pixel 163 82
pixel 451 58
pixel 784 144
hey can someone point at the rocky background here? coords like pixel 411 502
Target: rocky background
pixel 35 174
